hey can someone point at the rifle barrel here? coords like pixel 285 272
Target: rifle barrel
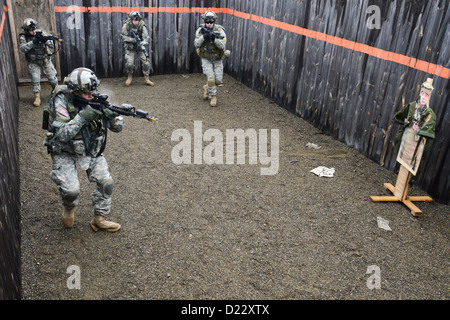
pixel 100 103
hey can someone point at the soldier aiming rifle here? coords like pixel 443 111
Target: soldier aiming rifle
pixel 38 48
pixel 44 38
pixel 210 35
pixel 134 38
pixel 77 121
pixel 210 42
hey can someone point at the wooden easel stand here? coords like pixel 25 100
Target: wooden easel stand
pixel 400 192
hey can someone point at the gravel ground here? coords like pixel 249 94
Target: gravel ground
pixel 204 231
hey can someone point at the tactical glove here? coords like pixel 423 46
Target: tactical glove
pixel 110 114
pixel 89 114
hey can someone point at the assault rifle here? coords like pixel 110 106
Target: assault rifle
pixel 210 35
pixel 100 103
pixel 139 46
pixel 44 39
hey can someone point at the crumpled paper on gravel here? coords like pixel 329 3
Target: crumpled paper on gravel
pixel 323 171
pixel 310 145
pixel 383 224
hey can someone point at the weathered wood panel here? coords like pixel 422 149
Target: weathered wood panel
pixel 10 286
pixel 347 93
pixel 92 35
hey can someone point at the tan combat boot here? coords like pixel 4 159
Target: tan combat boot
pixel 211 84
pixel 37 99
pixel 148 82
pixel 100 223
pixel 130 78
pixel 213 101
pixel 68 217
pixel 205 92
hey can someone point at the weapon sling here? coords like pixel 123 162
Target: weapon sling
pixel 85 134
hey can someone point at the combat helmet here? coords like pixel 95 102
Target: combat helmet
pixel 134 15
pixel 29 24
pixel 209 17
pixel 82 80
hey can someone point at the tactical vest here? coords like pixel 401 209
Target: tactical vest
pixel 38 53
pixel 81 142
pixel 140 28
pixel 129 29
pixel 49 109
pixel 209 50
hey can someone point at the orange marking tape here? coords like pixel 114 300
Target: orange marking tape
pixel 2 24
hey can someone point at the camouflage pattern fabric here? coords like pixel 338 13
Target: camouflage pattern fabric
pixel 38 58
pixel 211 56
pixel 69 151
pixel 65 175
pixel 35 72
pixel 213 69
pixel 130 48
pixel 129 61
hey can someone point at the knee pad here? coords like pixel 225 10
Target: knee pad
pixel 211 82
pixel 130 67
pixel 146 66
pixel 70 196
pixel 35 77
pixel 107 187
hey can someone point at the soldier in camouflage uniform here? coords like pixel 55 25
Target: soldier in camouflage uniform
pixel 134 38
pixel 210 41
pixel 76 136
pixel 38 56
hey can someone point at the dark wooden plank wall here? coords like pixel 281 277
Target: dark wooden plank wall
pixel 10 287
pixel 97 43
pixel 350 95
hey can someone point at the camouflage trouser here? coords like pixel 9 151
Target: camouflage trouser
pixel 129 61
pixel 213 69
pixel 65 175
pixel 35 72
